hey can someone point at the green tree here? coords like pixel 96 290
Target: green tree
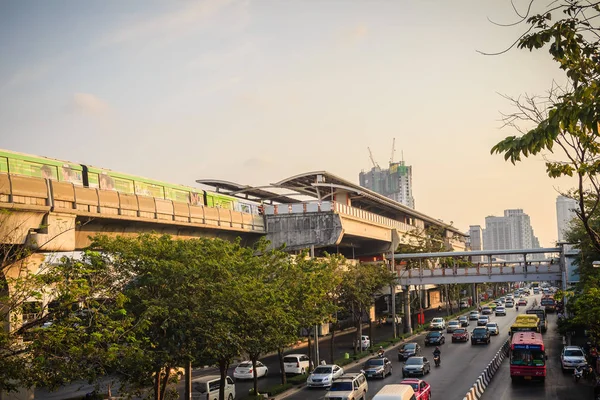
pixel 361 283
pixel 568 119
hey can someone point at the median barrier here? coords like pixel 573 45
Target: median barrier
pixel 486 376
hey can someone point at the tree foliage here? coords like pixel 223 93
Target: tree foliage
pixel 569 117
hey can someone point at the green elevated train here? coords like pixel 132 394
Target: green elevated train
pixel 106 179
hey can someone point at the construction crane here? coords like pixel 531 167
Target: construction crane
pixel 393 151
pixel 375 165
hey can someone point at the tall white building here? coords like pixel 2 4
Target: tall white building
pixel 512 231
pixel 565 212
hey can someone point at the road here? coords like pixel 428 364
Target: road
pixel 462 364
pixel 558 386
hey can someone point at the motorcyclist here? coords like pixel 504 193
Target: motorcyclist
pixel 437 353
pixel 380 352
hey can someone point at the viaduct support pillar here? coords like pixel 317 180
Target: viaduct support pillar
pixel 407 314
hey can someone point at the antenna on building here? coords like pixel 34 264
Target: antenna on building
pixel 402 152
pixel 375 165
pixel 393 150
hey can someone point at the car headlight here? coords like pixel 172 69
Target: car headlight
pixel 326 378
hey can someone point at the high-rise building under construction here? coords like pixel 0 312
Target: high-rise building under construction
pixel 394 182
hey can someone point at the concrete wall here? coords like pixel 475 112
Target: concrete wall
pixel 300 231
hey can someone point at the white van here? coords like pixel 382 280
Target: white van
pixel 208 387
pixel 395 392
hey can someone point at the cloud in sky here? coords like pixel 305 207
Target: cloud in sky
pixel 354 35
pixel 87 103
pixel 172 23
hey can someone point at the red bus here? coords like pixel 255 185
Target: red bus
pixel 527 356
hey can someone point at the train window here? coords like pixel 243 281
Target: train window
pixel 3 164
pixel 71 175
pixel 93 180
pixel 149 189
pixel 30 168
pixel 180 195
pixel 120 184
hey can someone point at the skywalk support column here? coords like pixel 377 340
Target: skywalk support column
pixel 407 320
pixel 393 295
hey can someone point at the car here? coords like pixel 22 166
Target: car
pixel 480 335
pixel 522 302
pixel 464 304
pixel 500 310
pixel 493 328
pixel 244 370
pixel 377 367
pixel 571 357
pixel 296 364
pixel 502 300
pixel 416 366
pixel 349 387
pixel 483 320
pixel 452 325
pixel 473 316
pixel 487 310
pixel 324 375
pixel 365 342
pixel 407 350
pixel 434 338
pixel 493 306
pixel 421 388
pixel 437 323
pixel 464 320
pixel 509 304
pixel 208 386
pixel 460 335
pixel 395 392
pixel 389 319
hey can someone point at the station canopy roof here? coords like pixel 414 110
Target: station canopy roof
pixel 322 186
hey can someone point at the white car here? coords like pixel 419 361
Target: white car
pixel 500 310
pixel 244 370
pixel 349 387
pixel 324 375
pixel 453 325
pixel 571 357
pixel 296 364
pixel 493 328
pixel 437 324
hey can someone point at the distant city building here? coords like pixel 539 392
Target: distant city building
pixel 394 182
pixel 513 231
pixel 565 212
pixel 476 240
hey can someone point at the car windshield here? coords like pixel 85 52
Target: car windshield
pixel 479 331
pixel 375 362
pixel 290 360
pixel 438 319
pixel 453 323
pixel 415 385
pixel 413 361
pixel 459 331
pixel 491 326
pixel 573 353
pixel 246 364
pixel 341 387
pixel 462 318
pixel 434 334
pixel 409 346
pixel 322 370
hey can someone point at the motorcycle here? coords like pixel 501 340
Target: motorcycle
pixel 380 353
pixel 577 373
pixel 517 307
pixel 436 360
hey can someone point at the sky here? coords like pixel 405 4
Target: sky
pixel 254 91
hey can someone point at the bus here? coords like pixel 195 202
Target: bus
pixel 527 356
pixel 541 314
pixel 548 303
pixel 526 323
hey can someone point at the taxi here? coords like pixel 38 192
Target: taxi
pixel 421 388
